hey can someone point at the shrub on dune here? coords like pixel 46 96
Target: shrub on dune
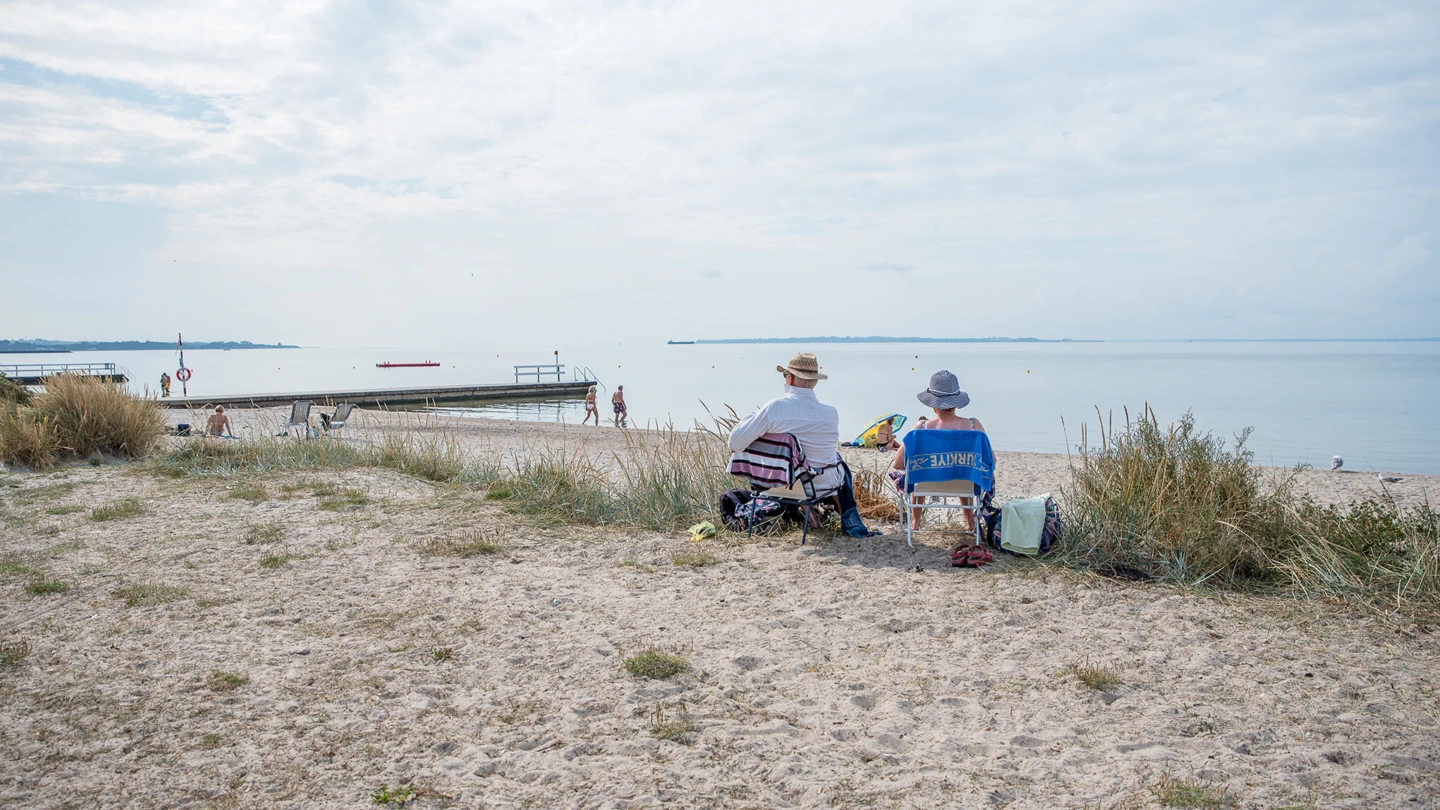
pixel 77 416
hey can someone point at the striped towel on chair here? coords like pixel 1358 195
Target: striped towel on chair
pixel 773 460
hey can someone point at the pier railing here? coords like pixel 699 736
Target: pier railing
pixel 33 373
pixel 555 370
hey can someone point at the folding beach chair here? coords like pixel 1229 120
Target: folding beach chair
pixel 945 464
pixel 300 417
pixel 337 421
pixel 801 494
pixel 778 473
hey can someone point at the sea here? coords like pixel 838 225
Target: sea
pixel 1372 403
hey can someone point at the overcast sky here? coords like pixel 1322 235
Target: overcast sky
pixel 409 173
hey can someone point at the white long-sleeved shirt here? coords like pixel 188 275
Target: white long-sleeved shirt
pixel 814 424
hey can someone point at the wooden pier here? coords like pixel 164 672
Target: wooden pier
pixel 35 373
pixel 390 396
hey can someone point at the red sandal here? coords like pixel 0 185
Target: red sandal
pixel 960 556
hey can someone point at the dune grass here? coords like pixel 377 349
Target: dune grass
pixel 77 416
pixel 664 479
pixel 475 544
pixel 654 663
pixel 432 457
pixel 1179 505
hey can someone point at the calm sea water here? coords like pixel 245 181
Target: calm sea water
pixel 1372 403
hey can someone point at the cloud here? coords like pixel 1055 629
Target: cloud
pixel 890 267
pixel 1413 251
pixel 1038 147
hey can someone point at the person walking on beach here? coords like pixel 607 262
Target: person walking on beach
pixel 944 396
pixel 816 427
pixel 591 407
pixel 621 412
pixel 164 384
pixel 219 423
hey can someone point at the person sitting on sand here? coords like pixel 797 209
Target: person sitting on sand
pixel 591 408
pixel 621 412
pixel 815 426
pixel 219 423
pixel 944 396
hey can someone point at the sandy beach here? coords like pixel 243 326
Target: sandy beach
pixel 300 640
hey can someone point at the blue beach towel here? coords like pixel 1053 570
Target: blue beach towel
pixel 949 455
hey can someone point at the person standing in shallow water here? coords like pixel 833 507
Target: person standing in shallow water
pixel 591 408
pixel 164 384
pixel 621 411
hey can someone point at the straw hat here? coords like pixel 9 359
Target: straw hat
pixel 944 392
pixel 803 365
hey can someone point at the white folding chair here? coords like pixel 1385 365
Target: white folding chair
pixel 337 421
pixel 937 495
pixel 300 417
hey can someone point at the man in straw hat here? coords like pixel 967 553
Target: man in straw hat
pixel 815 425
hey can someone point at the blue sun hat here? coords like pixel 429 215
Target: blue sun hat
pixel 944 392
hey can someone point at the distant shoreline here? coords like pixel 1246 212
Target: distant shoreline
pixel 61 347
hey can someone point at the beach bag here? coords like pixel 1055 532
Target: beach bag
pixel 991 526
pixel 989 521
pixel 1050 535
pixel 182 429
pixel 730 502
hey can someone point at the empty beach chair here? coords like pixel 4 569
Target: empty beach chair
pixel 941 465
pixel 299 417
pixel 336 421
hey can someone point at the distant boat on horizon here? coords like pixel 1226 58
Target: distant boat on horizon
pixel 426 364
pixel 679 343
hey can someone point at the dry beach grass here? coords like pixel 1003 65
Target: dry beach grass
pixel 357 624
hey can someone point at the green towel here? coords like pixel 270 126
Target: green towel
pixel 1022 520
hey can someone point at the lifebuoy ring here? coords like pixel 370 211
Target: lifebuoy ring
pixel 183 375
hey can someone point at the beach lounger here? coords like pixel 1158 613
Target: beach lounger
pixel 337 421
pixel 941 465
pixel 300 417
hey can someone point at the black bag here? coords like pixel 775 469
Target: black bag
pixel 989 521
pixel 730 502
pixel 182 429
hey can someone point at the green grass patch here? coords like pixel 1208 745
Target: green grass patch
pixel 65 509
pixel 475 544
pixel 278 559
pixel 396 797
pixel 45 586
pixel 677 728
pixel 12 569
pixel 119 510
pixel 656 664
pixel 223 681
pixel 142 594
pixel 13 651
pixel 48 492
pixel 260 534
pixel 339 499
pixel 1181 793
pixel 252 491
pixel 1100 679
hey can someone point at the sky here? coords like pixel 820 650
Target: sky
pixel 416 173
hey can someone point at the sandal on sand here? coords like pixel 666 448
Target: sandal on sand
pixel 960 557
pixel 970 556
